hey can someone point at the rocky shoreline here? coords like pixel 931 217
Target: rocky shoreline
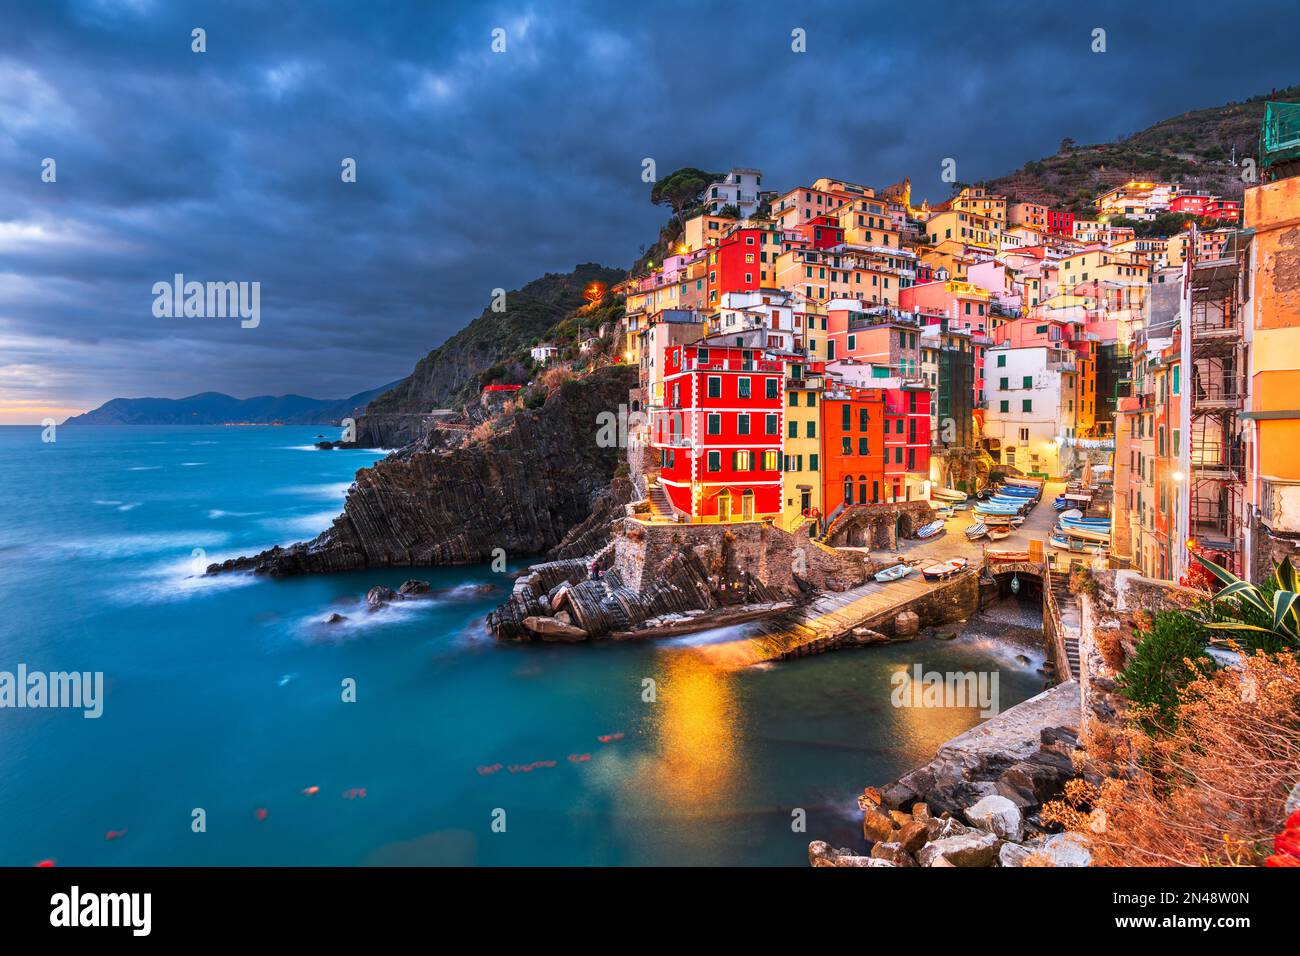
pixel 976 802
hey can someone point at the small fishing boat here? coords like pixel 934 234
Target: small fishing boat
pixel 977 531
pixel 1060 505
pixel 945 569
pixel 997 554
pixel 1024 482
pixel 997 534
pixel 929 530
pixel 961 506
pixel 1059 540
pixel 1002 521
pixel 948 494
pixel 945 512
pixel 892 574
pixel 1019 491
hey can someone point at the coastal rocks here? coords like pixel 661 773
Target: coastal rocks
pixel 893 853
pixel 336 618
pixel 999 816
pixel 967 849
pixel 379 595
pixel 876 826
pixel 550 629
pixel 518 490
pixel 821 854
pixel 1061 849
pixel 412 586
pixel 1013 854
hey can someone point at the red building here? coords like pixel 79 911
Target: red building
pixel 906 438
pixel 719 432
pixel 1208 207
pixel 821 232
pixel 735 265
pixel 853 446
pixel 1060 222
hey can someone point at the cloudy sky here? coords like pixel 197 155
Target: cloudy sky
pixel 477 169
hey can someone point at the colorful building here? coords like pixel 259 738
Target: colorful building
pixel 719 434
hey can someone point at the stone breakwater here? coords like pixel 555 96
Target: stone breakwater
pixel 519 490
pixel 976 803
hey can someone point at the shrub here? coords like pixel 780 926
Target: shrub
pixel 1213 791
pixel 1170 655
pixel 535 398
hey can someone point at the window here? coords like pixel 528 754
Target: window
pixel 771 388
pixel 1004 383
pixel 862 419
pixel 853 342
pixel 810 430
pixel 812 462
pixel 742 423
pixel 1027 405
pixel 742 460
pixel 770 461
pixel 862 446
pixel 1027 382
pixel 715 385
pixel 715 461
pixel 773 425
pixel 713 424
pixel 792 429
pixel 742 386
pixel 1024 434
pixel 846 446
pixel 1002 361
pixel 846 420
pixel 812 399
pixel 898 456
pixel 848 489
pixel 794 399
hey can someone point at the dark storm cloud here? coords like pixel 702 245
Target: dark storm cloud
pixel 479 170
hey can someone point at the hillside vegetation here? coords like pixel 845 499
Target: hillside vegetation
pixel 1194 148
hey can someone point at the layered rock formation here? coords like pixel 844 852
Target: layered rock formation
pixel 521 489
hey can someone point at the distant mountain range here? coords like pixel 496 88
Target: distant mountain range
pixel 214 408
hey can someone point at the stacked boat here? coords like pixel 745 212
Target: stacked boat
pixel 1074 532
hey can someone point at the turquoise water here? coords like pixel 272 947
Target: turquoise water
pixel 225 694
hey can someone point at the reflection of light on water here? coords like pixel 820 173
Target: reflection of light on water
pixel 694 764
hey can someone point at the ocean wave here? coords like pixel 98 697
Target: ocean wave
pixel 334 491
pixel 129 545
pixel 145 468
pixel 192 464
pixel 177 579
pixel 358 617
pixel 312 524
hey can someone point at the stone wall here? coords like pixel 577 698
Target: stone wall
pixel 787 562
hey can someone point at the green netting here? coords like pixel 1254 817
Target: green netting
pixel 1279 138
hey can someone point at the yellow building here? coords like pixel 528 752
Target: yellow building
pixel 802 478
pixel 1272 494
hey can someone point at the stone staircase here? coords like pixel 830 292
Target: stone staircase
pixel 1067 604
pixel 659 503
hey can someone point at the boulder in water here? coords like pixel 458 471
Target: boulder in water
pixel 412 586
pixel 380 595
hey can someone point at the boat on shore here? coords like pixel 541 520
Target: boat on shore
pixel 1075 545
pixel 997 534
pixel 1024 482
pixel 948 494
pixel 893 574
pixel 929 530
pixel 977 531
pixel 944 569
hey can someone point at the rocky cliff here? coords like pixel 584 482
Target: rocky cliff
pixel 521 489
pixel 449 375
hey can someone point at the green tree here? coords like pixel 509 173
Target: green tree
pixel 681 190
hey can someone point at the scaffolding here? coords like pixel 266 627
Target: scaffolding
pixel 1217 389
pixel 1279 141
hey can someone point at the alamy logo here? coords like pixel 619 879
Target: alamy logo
pixel 103 909
pixel 208 300
pixel 81 690
pixel 954 689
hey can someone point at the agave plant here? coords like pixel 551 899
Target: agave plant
pixel 1265 616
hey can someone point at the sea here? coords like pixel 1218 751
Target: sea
pixel 237 727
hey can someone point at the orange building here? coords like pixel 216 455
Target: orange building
pixel 853 444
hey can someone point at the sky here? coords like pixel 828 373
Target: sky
pixel 478 169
